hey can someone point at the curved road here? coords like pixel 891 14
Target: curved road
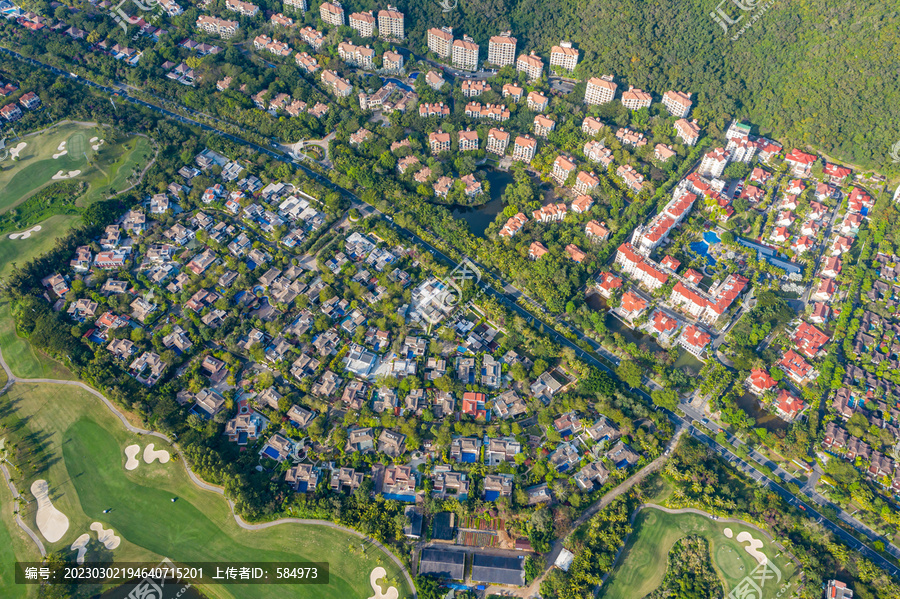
pixel 194 478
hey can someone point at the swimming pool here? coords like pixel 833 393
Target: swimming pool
pixel 702 247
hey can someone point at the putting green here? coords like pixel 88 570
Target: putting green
pixel 78 447
pixel 641 566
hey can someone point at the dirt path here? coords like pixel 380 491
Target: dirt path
pixel 194 478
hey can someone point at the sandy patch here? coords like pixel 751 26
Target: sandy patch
pixel 80 544
pixel 52 523
pixel 130 453
pixel 93 139
pixel 106 536
pixel 60 154
pixel 14 152
pixel 376 574
pixel 150 454
pixel 96 146
pixel 61 146
pixel 64 175
pixel 25 234
pixel 728 533
pixel 753 547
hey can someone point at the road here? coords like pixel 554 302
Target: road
pixel 194 478
pixel 501 297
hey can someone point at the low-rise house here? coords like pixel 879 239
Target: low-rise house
pixel 277 448
pixel 465 449
pixel 208 403
pixel 346 479
pixel 622 456
pixel 591 476
pixel 302 478
pixel 148 368
pixel 392 443
pixel 501 450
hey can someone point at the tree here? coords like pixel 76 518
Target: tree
pixel 630 372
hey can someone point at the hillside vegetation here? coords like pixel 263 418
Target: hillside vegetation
pixel 811 72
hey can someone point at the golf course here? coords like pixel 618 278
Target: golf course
pixel 640 567
pixel 65 152
pixel 69 438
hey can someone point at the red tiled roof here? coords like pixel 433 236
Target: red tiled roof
pixel 632 302
pixel 761 380
pixel 696 337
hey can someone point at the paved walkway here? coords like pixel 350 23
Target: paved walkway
pixel 194 478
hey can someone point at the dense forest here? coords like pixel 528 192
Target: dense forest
pixel 816 72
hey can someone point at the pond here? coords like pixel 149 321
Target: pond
pixel 754 408
pixel 479 217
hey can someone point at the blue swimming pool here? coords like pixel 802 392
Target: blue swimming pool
pixel 403 498
pixel 702 247
pixel 270 452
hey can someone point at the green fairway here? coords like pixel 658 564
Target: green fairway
pixel 25 361
pixel 14 545
pixel 641 566
pixel 22 251
pixel 78 448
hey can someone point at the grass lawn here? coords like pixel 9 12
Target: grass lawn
pixel 14 545
pixel 22 251
pixel 80 448
pixel 25 361
pixel 641 565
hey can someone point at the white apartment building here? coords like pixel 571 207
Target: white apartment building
pixel 332 13
pixel 465 54
pixel 390 23
pixel 392 61
pixel 502 49
pixel 363 57
pixel 524 148
pixel 531 65
pixel 440 41
pixel 296 5
pixel 564 56
pixel 600 90
pixel 714 163
pixel 635 99
pixel 468 140
pixel 562 168
pixel 677 103
pixel 216 26
pixel 497 141
pixel 363 22
pixel 543 125
pixel 244 8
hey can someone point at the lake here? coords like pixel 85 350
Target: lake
pixel 479 217
pixel 754 408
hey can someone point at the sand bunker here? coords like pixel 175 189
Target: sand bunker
pixel 25 234
pixel 753 548
pixel 96 146
pixel 106 536
pixel 130 453
pixel 64 175
pixel 93 139
pixel 61 146
pixel 14 152
pixel 80 545
pixel 150 454
pixel 60 154
pixel 52 523
pixel 376 574
pixel 728 533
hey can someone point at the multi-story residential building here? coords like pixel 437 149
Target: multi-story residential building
pixel 585 182
pixel 464 54
pixel 439 142
pixel 494 112
pixel 708 306
pixel 313 37
pixel 714 163
pixel 513 225
pixel 531 65
pixel 438 109
pixel 562 168
pixel 497 141
pixel 537 101
pixel 641 269
pixel 359 56
pixel 472 88
pixel 11 112
pixel 550 213
pixel 440 41
pixel 524 148
pixel 677 103
pixel 306 62
pixel 339 86
pixel 595 151
pixel 837 590
pixel 296 5
pixel 468 140
pixel 390 23
pixel 434 80
pixel 688 131
pixel 332 13
pixel 647 238
pixel 543 125
pixel 633 179
pixel 502 49
pixel 591 126
pixel 635 99
pixel 216 26
pixel 513 91
pixel 244 8
pixel 392 61
pixel 281 20
pixel 564 56
pixel 171 8
pixel 363 22
pixel 600 90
